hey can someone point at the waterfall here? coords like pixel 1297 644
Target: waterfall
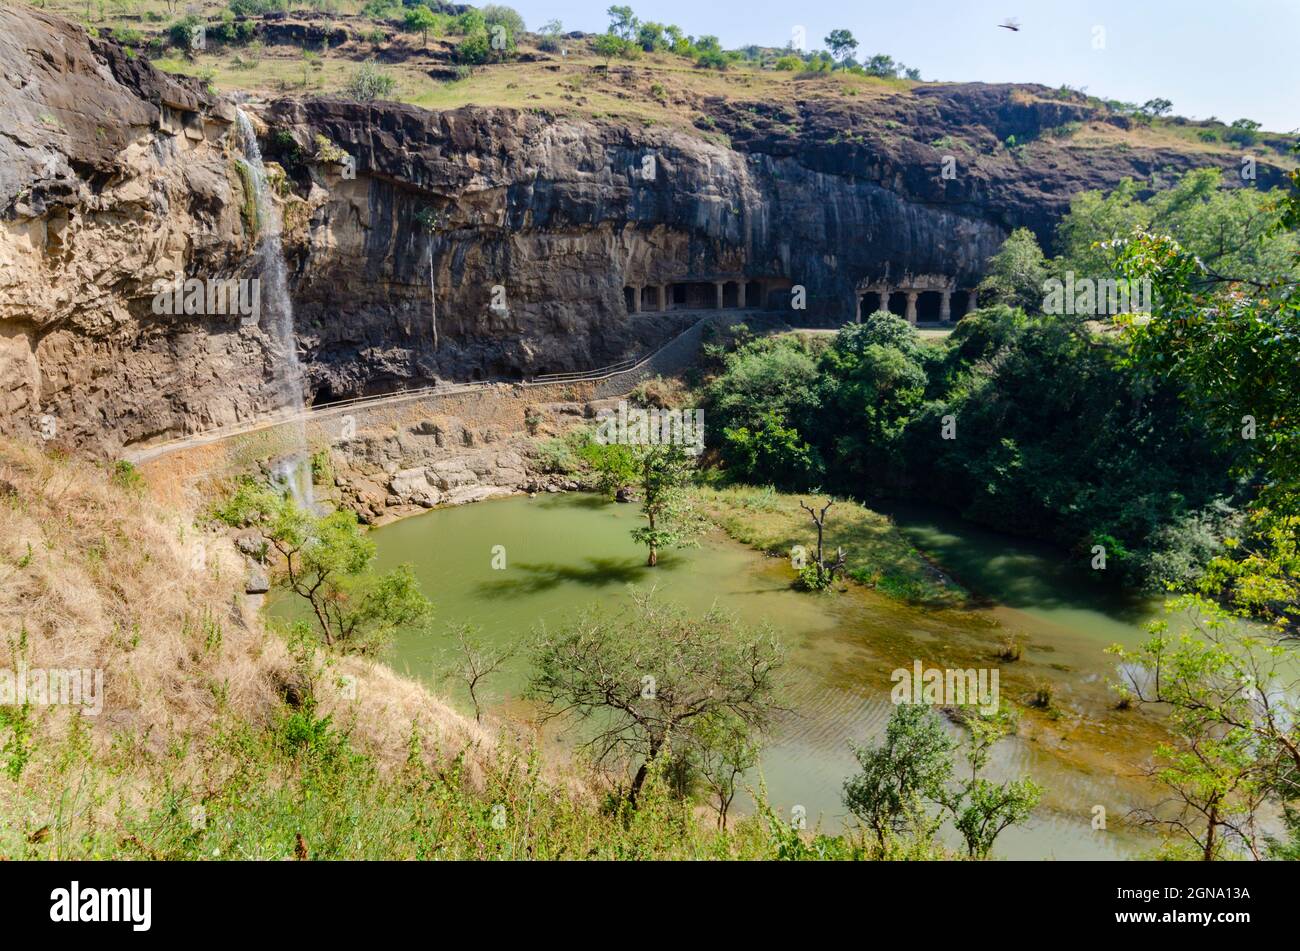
pixel 276 318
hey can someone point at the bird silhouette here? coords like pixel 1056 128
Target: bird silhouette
pixel 1010 23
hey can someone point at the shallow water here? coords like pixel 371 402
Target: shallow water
pixel 565 552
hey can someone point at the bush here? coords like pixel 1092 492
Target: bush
pixel 474 50
pixel 499 15
pixel 183 32
pixel 788 64
pixel 711 59
pixel 369 83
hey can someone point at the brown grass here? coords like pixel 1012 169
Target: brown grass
pixel 100 576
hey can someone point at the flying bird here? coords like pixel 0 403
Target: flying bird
pixel 1010 23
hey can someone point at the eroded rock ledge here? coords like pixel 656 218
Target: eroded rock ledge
pixel 114 176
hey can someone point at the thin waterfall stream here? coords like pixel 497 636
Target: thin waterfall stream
pixel 293 472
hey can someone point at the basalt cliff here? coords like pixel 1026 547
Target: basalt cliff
pixel 547 243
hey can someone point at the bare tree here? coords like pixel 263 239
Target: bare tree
pixel 825 569
pixel 474 663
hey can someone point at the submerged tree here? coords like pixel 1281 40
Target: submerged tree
pixel 662 477
pixel 653 675
pixel 820 575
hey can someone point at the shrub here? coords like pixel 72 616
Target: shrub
pixel 183 32
pixel 788 64
pixel 474 50
pixel 499 15
pixel 369 83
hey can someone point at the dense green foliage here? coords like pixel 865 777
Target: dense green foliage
pixel 1046 424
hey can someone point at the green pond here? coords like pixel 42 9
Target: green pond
pixel 566 552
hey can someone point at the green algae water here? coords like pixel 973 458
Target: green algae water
pixel 564 553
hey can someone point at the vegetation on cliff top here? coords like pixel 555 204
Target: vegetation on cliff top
pixel 636 71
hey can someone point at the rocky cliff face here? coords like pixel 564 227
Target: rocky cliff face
pixel 114 176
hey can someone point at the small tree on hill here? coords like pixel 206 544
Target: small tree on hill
pixel 841 44
pixel 420 19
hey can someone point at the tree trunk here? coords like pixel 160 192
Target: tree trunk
pixel 639 779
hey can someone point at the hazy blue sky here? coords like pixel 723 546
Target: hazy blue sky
pixel 1231 58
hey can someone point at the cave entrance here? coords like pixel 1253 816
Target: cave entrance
pixel 871 303
pixel 754 295
pixel 960 304
pixel 898 304
pixel 699 295
pixel 678 295
pixel 730 294
pixel 629 299
pixel 929 307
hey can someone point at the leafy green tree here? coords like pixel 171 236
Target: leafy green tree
pixel 420 19
pixel 326 560
pixel 903 774
pixel 841 44
pixel 663 474
pixel 623 22
pixel 723 748
pixel 913 771
pixel 772 452
pixel 1234 345
pixel 1230 696
pixel 474 50
pixel 1016 273
pixel 874 386
pixel 881 65
pixel 1156 107
pixel 471 23
pixel 651 37
pixel 614 464
pixel 499 15
pixel 607 46
pixel 652 679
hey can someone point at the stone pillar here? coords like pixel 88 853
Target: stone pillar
pixel 663 297
pixel 911 307
pixel 885 294
pixel 636 300
pixel 857 299
pixel 945 307
pixel 973 301
pixel 717 287
pixel 740 294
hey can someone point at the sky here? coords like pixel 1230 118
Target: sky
pixel 1226 58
